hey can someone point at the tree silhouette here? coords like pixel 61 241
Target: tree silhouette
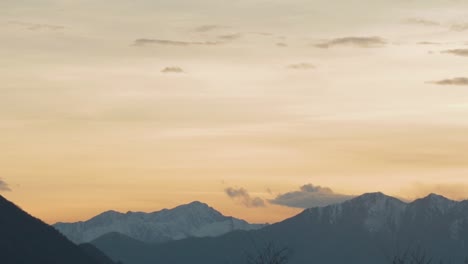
pixel 270 254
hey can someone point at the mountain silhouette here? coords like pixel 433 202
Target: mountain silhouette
pixel 369 229
pixel 27 240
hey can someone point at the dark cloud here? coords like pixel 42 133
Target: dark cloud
pixel 301 66
pixel 143 42
pixel 458 52
pixel 422 21
pixel 206 28
pixel 244 197
pixel 309 196
pixel 454 81
pixel 172 70
pixel 4 186
pixel 35 26
pixel 362 42
pixel 230 36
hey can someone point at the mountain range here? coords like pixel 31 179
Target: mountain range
pixel 190 220
pixel 369 229
pixel 25 240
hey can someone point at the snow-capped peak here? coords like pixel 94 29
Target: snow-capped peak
pixel 377 212
pixel 195 219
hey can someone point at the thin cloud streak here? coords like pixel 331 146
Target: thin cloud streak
pixel 422 21
pixel 459 27
pixel 460 81
pixel 230 36
pixel 207 28
pixel 361 42
pixel 301 66
pixel 165 42
pixel 457 52
pixel 428 43
pixel 36 26
pixel 173 69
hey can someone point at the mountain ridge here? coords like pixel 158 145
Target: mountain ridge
pixel 195 219
pixel 368 229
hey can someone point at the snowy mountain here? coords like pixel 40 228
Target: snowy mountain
pixel 191 220
pixel 368 229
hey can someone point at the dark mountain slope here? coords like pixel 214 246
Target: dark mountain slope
pixel 96 254
pixel 26 240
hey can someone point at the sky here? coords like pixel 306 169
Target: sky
pixel 258 108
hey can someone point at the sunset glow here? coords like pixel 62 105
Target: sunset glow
pixel 143 105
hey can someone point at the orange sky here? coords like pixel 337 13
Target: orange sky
pixel 332 94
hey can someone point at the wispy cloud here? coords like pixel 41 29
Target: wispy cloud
pixel 362 42
pixel 4 186
pixel 281 44
pixel 428 43
pixel 230 36
pixel 309 196
pixel 459 27
pixel 433 23
pixel 265 34
pixel 301 66
pixel 243 196
pixel 173 69
pixel 36 26
pixel 460 81
pixel 206 28
pixel 458 52
pixel 144 42
pixel 422 21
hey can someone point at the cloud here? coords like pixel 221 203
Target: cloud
pixel 36 26
pixel 230 36
pixel 459 27
pixel 422 21
pixel 206 28
pixel 309 196
pixel 301 66
pixel 266 34
pixel 244 197
pixel 144 42
pixel 362 42
pixel 454 81
pixel 172 70
pixel 281 44
pixel 428 43
pixel 458 52
pixel 4 186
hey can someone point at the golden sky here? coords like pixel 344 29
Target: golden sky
pixel 142 105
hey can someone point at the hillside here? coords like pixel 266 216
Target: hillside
pixel 26 240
